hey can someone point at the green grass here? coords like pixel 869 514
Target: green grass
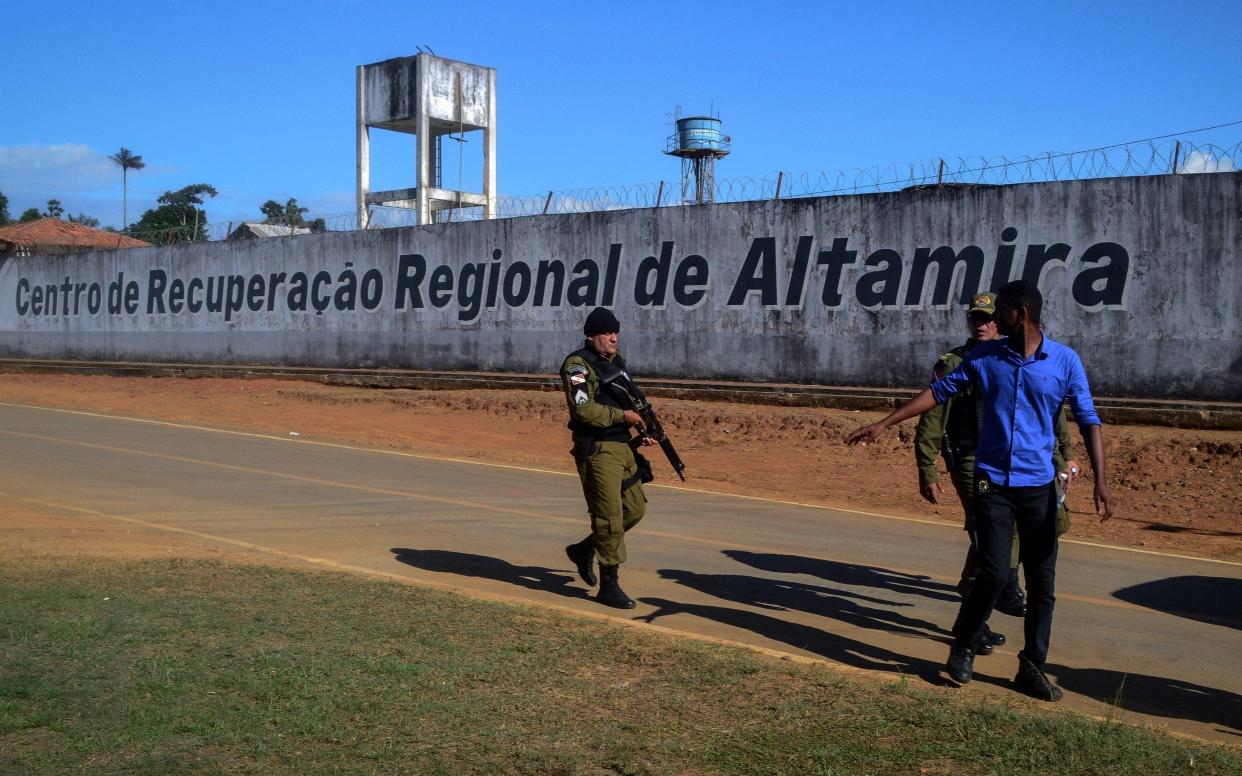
pixel 175 666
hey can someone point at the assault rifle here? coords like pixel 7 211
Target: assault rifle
pixel 631 397
pixel 653 430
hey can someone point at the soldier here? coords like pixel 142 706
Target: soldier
pixel 952 429
pixel 597 390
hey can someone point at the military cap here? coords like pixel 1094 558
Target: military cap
pixel 982 303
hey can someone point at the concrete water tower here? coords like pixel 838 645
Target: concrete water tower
pixel 429 97
pixel 699 143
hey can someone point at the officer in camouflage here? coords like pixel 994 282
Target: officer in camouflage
pixel 951 429
pixel 596 387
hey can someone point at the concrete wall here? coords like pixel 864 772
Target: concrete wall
pixel 1141 275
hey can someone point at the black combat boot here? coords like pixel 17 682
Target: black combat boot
pixel 988 641
pixel 583 556
pixel 610 592
pixel 1032 681
pixel 961 664
pixel 1012 600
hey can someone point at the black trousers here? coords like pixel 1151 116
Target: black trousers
pixel 997 510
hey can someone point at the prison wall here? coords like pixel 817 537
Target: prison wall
pixel 1140 275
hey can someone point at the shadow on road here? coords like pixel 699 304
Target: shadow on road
pixel 467 564
pixel 837 648
pixel 1183 529
pixel 848 574
pixel 1207 599
pixel 781 595
pixel 1154 695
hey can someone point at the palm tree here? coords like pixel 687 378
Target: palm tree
pixel 128 161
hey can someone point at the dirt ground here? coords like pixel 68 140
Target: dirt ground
pixel 1176 490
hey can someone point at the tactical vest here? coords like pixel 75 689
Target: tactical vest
pixel 616 389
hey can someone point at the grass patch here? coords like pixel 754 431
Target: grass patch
pixel 167 666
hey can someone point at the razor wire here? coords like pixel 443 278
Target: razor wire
pixel 1154 157
pixel 1159 156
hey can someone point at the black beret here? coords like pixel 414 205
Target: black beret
pixel 601 321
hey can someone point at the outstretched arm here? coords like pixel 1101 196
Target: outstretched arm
pixel 916 406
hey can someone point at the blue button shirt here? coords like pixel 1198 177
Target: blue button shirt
pixel 1018 400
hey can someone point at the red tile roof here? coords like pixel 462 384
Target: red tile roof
pixel 58 234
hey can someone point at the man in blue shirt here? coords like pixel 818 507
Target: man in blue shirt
pixel 1020 382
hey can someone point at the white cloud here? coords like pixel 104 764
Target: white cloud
pixel 84 180
pixel 66 168
pixel 1205 161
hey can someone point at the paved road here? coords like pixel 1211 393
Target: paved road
pixel 864 591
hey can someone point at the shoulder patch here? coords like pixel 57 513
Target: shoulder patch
pixel 580 397
pixel 576 378
pixel 577 369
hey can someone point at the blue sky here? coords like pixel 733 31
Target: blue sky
pixel 258 98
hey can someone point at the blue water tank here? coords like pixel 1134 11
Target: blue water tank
pixel 698 133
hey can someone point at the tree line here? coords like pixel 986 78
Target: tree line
pixel 178 215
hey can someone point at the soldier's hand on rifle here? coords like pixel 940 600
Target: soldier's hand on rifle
pixel 632 418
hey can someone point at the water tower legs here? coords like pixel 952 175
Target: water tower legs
pixel 363 170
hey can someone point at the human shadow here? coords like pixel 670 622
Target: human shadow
pixel 832 646
pixel 782 595
pixel 1150 525
pixel 1154 695
pixel 485 567
pixel 848 574
pixel 1215 600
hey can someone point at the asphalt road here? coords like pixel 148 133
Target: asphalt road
pixel 1162 634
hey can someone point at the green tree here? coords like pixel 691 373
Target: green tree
pixel 4 210
pixel 178 217
pixel 54 210
pixel 85 220
pixel 272 210
pixel 288 214
pixel 31 214
pixel 128 161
